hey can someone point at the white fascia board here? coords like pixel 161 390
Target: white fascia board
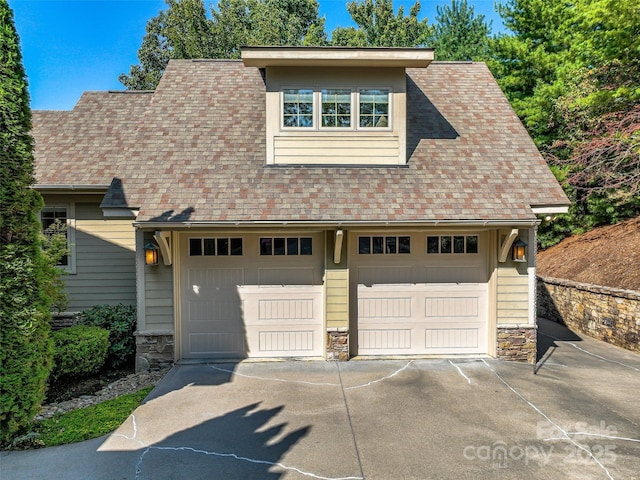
pixel 550 209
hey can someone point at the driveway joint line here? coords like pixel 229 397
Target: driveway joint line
pixel 591 353
pixel 353 433
pixel 546 417
pixel 461 372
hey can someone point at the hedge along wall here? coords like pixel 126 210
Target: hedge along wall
pixel 608 314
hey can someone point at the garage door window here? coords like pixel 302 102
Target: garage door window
pixel 218 247
pixel 286 246
pixel 384 245
pixel 455 244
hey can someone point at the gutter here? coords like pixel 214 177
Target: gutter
pixel 336 224
pixel 70 187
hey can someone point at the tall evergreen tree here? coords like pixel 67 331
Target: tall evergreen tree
pixel 459 34
pixel 25 274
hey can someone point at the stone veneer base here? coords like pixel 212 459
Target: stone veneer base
pixel 338 345
pixel 154 350
pixel 517 343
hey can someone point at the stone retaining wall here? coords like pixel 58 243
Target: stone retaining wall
pixel 608 314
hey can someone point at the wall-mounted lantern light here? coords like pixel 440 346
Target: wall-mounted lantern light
pixel 151 254
pixel 519 250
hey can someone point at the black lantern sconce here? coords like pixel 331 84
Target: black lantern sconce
pixel 519 250
pixel 151 254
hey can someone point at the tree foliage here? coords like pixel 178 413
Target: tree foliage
pixel 185 30
pixel 459 34
pixel 379 26
pixel 571 72
pixel 26 275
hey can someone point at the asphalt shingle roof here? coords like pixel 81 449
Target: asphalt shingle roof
pixel 195 150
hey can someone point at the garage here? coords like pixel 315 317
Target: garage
pixel 251 296
pixel 419 293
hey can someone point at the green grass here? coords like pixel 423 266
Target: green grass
pixel 89 422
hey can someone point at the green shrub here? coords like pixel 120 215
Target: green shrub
pixel 120 320
pixel 79 351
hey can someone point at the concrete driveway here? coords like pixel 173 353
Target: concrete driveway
pixel 577 418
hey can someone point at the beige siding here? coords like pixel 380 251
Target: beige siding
pixel 337 287
pixel 104 259
pixel 337 149
pixel 512 294
pixel 158 287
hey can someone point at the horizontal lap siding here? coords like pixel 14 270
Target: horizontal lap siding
pixel 105 261
pixel 158 288
pixel 337 150
pixel 513 295
pixel 337 291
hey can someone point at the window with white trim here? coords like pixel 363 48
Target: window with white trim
pixel 454 244
pixel 336 108
pixel 218 247
pixel 387 245
pixel 286 246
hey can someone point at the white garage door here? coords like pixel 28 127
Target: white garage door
pixel 251 296
pixel 417 302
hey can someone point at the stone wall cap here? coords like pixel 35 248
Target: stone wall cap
pixel 149 333
pixel 587 287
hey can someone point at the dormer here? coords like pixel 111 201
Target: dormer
pixel 336 105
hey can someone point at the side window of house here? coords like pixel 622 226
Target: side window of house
pixel 374 108
pixel 54 220
pixel 286 246
pixel 218 247
pixel 454 244
pixel 297 107
pixel 379 245
pixel 337 108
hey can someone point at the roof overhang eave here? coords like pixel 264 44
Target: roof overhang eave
pixel 276 56
pixel 75 188
pixel 338 224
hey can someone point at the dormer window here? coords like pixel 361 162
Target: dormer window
pixel 336 108
pixel 297 108
pixel 374 108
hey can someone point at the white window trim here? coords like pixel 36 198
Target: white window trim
pixel 317 109
pixel 70 268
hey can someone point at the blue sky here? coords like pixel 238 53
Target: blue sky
pixel 71 46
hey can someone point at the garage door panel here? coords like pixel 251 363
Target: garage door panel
pixel 221 309
pixel 375 340
pixel 283 342
pixel 451 306
pixel 385 274
pixel 207 344
pixel 398 307
pixel 286 276
pixel 455 274
pixel 213 279
pixel 286 309
pixel 452 338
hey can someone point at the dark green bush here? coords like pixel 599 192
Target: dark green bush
pixel 79 351
pixel 120 320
